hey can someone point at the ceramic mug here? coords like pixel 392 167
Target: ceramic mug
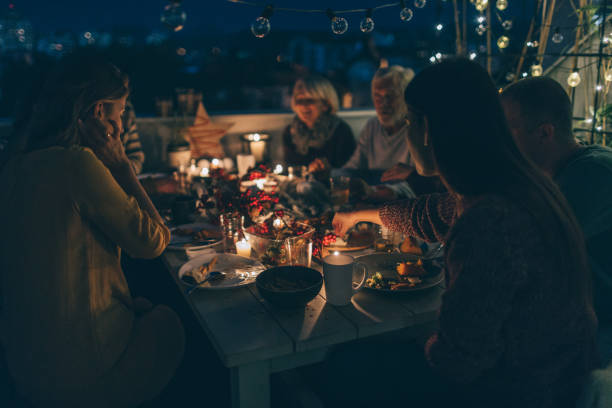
pixel 338 277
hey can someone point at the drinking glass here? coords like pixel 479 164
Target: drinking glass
pixel 339 190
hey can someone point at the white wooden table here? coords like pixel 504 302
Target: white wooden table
pixel 255 339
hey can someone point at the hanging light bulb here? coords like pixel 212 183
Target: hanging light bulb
pixel 501 5
pixel 261 26
pixel 481 29
pixel 608 75
pixel 339 25
pixel 481 5
pixel 420 3
pixel 174 16
pixel 503 42
pixel 367 24
pixel 573 79
pixel 405 12
pixel 557 36
pixel 536 70
pixel 507 25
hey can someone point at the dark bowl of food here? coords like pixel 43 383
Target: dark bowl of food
pixel 289 286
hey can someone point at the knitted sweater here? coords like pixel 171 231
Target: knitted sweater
pixel 512 330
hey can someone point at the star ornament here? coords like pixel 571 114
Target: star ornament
pixel 205 135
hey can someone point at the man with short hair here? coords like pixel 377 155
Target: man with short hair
pixel 539 114
pixel 382 144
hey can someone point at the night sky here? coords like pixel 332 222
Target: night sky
pixel 220 16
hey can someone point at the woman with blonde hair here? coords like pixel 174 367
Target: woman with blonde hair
pixel 316 132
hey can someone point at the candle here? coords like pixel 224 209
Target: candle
pixel 290 172
pixel 278 223
pixel 257 149
pixel 205 172
pixel 243 248
pixel 215 164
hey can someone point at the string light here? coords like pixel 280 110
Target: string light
pixel 481 29
pixel 507 25
pixel 598 88
pixel 420 3
pixel 174 16
pixel 480 19
pixel 367 24
pixel 473 55
pixel 532 44
pixel 510 76
pixel 481 5
pixel 432 59
pixel 261 26
pixel 536 70
pixel 503 42
pixel 524 75
pixel 439 27
pixel 405 12
pixel 573 79
pixel 339 25
pixel 557 36
pixel 501 5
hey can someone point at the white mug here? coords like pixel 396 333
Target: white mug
pixel 338 278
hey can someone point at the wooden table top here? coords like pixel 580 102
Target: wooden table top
pixel 245 328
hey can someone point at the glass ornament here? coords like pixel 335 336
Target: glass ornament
pixel 573 79
pixel 260 27
pixel 339 25
pixel 406 14
pixel 557 37
pixel 367 25
pixel 174 16
pixel 503 42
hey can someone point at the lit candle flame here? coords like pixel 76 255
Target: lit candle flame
pixel 260 183
pixel 336 253
pixel 278 223
pixel 256 137
pixel 205 172
pixel 278 169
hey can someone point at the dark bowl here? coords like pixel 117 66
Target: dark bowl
pixel 289 286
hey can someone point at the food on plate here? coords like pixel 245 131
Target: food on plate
pixel 198 274
pixel 411 246
pixel 377 281
pixel 411 269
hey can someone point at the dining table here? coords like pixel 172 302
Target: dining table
pixel 254 338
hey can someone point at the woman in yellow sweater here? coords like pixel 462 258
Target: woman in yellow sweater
pixel 69 203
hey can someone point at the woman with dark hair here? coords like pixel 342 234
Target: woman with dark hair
pixel 516 326
pixel 317 137
pixel 69 203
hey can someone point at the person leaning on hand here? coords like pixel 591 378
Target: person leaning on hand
pixel 70 201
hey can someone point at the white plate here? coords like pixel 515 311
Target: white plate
pixel 386 263
pixel 182 242
pixel 239 271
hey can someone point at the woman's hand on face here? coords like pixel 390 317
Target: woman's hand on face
pixel 342 222
pixel 105 141
pixel 398 172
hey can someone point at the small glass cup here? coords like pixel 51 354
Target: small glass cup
pixel 387 240
pixel 299 250
pixel 339 190
pixel 232 224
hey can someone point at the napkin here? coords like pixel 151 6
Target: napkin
pixel 205 136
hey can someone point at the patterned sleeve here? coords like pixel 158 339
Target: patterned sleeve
pixel 427 217
pixel 131 140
